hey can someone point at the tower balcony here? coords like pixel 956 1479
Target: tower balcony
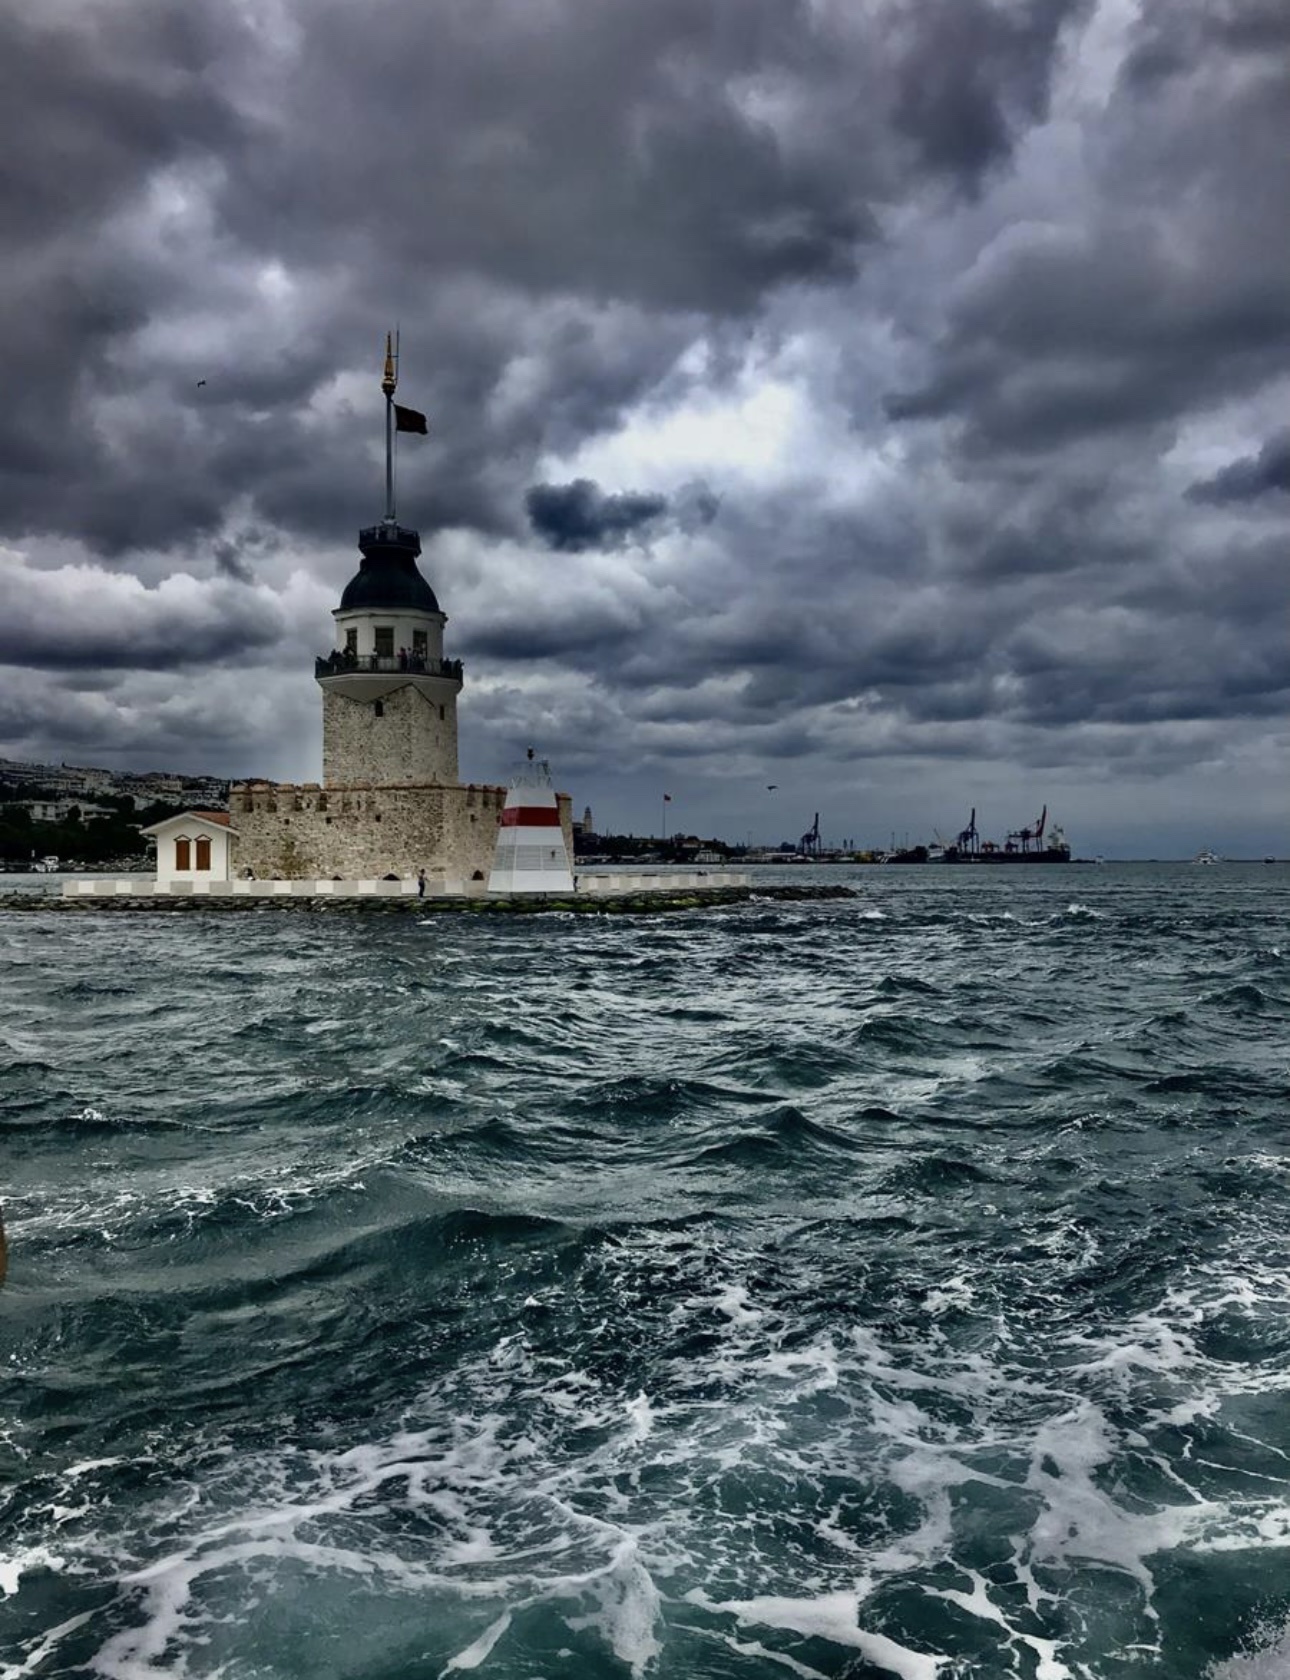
pixel 342 664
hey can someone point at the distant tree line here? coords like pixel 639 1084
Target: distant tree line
pixel 97 838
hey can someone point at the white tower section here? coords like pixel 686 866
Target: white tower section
pixel 389 695
pixel 531 854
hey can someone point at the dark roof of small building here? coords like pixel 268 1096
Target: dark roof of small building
pixel 388 579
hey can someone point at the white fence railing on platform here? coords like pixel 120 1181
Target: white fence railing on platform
pixel 437 886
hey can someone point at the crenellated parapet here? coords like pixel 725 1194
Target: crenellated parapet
pixel 365 830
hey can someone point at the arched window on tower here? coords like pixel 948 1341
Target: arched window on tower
pixel 378 708
pixel 182 854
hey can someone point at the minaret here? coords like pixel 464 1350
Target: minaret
pixel 389 695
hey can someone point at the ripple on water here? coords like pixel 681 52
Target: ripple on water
pixel 896 1286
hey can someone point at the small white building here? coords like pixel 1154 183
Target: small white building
pixel 194 846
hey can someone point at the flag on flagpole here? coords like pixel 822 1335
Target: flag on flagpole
pixel 409 420
pixel 667 798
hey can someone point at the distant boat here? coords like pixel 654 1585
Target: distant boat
pixel 1207 857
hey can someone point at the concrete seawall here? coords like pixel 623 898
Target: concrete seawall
pixel 661 895
pixel 437 886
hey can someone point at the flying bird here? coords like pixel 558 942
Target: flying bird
pixel 771 786
pixel 200 383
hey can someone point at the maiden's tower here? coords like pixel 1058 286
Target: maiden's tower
pixel 390 801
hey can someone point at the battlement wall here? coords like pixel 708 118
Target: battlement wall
pixel 303 831
pixel 364 830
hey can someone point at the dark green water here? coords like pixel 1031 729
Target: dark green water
pixel 892 1287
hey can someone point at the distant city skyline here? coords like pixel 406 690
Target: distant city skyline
pixel 887 403
pixel 155 782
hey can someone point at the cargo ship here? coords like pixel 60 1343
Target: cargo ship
pixel 1036 843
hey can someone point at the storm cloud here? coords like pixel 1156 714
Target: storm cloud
pixel 580 515
pixel 84 618
pixel 892 395
pixel 1266 473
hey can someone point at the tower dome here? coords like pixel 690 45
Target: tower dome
pixel 388 580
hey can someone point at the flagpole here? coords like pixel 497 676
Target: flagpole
pixel 664 816
pixel 388 383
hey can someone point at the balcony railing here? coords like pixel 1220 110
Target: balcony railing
pixel 340 664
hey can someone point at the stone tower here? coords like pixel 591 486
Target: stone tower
pixel 390 805
pixel 389 695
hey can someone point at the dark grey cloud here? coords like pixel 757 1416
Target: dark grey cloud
pixel 1178 40
pixel 580 515
pixel 1164 289
pixel 972 74
pixel 230 557
pixel 1266 473
pixel 115 95
pixel 95 107
pixel 80 619
pixel 1071 335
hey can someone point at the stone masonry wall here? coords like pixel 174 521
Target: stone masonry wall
pixel 363 832
pixel 414 738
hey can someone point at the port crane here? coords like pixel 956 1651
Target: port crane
pixel 968 839
pixel 810 842
pixel 1026 835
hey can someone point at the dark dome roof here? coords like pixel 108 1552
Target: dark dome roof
pixel 388 579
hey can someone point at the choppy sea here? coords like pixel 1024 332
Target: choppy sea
pixel 898 1286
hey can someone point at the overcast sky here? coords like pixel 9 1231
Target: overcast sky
pixel 887 400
